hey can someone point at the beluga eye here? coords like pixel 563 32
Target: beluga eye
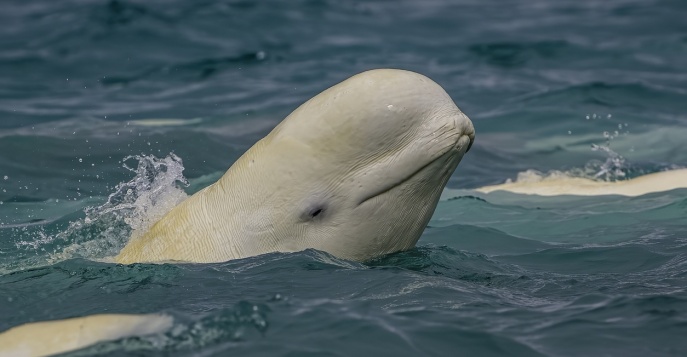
pixel 314 212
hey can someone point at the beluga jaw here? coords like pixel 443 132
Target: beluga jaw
pixel 356 171
pixel 448 159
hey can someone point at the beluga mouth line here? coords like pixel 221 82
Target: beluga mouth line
pixel 457 145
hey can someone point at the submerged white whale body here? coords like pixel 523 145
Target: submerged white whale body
pixel 53 337
pixel 561 184
pixel 356 171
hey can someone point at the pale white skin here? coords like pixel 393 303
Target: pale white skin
pixel 355 171
pixel 52 337
pixel 557 185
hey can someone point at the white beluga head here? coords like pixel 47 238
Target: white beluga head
pixel 355 171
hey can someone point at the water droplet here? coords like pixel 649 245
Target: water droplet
pixel 569 132
pixel 80 160
pixel 6 177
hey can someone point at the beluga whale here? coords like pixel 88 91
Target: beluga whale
pixel 560 184
pixel 356 172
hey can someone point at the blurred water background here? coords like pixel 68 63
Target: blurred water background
pixel 102 101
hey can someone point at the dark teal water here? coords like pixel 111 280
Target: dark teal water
pixel 493 275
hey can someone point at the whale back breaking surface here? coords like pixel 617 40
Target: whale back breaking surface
pixel 53 337
pixel 561 184
pixel 355 171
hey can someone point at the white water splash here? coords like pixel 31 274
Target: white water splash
pixel 128 212
pixel 615 167
pixel 148 196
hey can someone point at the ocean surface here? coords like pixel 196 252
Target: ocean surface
pixel 109 106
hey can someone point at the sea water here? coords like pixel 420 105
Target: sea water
pixel 113 111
